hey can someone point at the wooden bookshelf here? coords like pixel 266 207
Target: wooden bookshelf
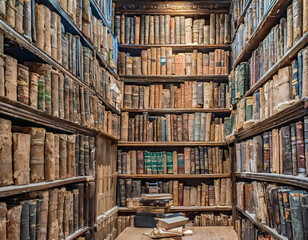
pixel 170 144
pixel 185 209
pixel 286 60
pixel 20 189
pixel 240 20
pixel 261 226
pixel 23 43
pixel 175 47
pixel 174 176
pixel 177 110
pixel 297 181
pixel 107 214
pixel 78 233
pixel 172 78
pixel 270 19
pixel 295 111
pixel 72 28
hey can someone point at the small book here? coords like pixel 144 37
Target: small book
pixel 175 222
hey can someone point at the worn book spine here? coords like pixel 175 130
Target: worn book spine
pixel 212 29
pixel 39 25
pixel 10 77
pixel 294 149
pixel 142 29
pixel 156 29
pixel 60 212
pixel 3 211
pixel 22 84
pixel 63 157
pixel 297 20
pixel 21 156
pixel 296 214
pixel 24 217
pixel 86 155
pixel 300 147
pixel 71 156
pixel 13 222
pixel 289 27
pixel 33 89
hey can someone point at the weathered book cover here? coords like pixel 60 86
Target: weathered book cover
pixel 63 157
pixel 10 76
pixel 24 224
pixel 258 149
pixel 140 162
pixel 13 222
pixel 22 84
pixel 169 162
pixel 3 211
pixel 156 29
pixel 300 147
pixel 297 20
pixel 296 214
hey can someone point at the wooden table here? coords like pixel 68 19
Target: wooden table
pixel 199 233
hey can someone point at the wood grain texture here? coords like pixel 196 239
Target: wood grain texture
pixel 199 233
pixel 15 190
pixel 78 233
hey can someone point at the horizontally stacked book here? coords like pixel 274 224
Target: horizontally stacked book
pixel 32 155
pixel 280 207
pixel 190 94
pixel 50 214
pixel 217 194
pixel 164 61
pixel 164 29
pixel 197 160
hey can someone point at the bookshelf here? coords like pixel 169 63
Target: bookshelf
pixel 186 209
pixel 78 188
pixel 177 110
pixel 170 144
pixel 249 182
pixel 173 176
pixel 175 47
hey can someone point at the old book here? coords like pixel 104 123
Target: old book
pixel 24 224
pixel 258 149
pixel 86 155
pixel 156 29
pixel 300 147
pixel 296 214
pixel 47 31
pixel 182 29
pixel 3 211
pixel 71 156
pixel 39 25
pixel 52 214
pixel 289 27
pixel 21 156
pixel 33 89
pixel 63 157
pixel 174 222
pixel 212 29
pixel 137 30
pixel 60 210
pixel 23 84
pixel 297 20
pixel 10 76
pixel 13 222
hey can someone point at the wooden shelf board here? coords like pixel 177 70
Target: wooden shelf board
pixel 291 113
pixel 169 144
pixel 269 20
pixel 286 60
pixel 109 136
pixel 14 36
pixel 20 189
pixel 78 233
pixel 107 214
pixel 187 209
pixel 172 78
pixel 261 226
pixel 174 176
pixel 297 181
pixel 176 47
pixel 177 110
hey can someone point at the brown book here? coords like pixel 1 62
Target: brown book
pixel 13 222
pixel 137 29
pixel 21 156
pixel 61 96
pixel 158 63
pixel 10 76
pixel 55 93
pixel 144 67
pixel 128 65
pixel 228 192
pixel 3 211
pixel 161 29
pixel 60 212
pixel 149 61
pixel 179 64
pixel 71 156
pixel 153 61
pixel 39 25
pixel 212 29
pixel 193 196
pixel 188 63
pixel 63 157
pixel 182 29
pixel 122 30
pixel 52 214
pixel 188 30
pixel 151 33
pixel 167 29
pixel 57 154
pixel 169 60
pixel 22 84
pixel 124 126
pixel 172 30
pixel 289 27
pixel 47 31
pixel 297 20
pixel 175 162
pixel 156 29
pixel 174 222
pixel 175 193
pixel 217 30
pixel 223 187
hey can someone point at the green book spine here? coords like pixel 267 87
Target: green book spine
pixel 41 93
pixel 249 108
pixel 154 162
pixel 169 163
pixel 160 163
pixel 147 162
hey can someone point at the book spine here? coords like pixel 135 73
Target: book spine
pixel 13 224
pixel 300 147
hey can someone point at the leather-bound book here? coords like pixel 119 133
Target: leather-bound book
pixel 132 31
pixel 66 98
pixel 24 217
pixel 3 211
pixel 75 209
pixel 294 149
pixel 55 93
pixel 153 61
pixel 179 64
pixel 217 30
pixel 63 157
pixel 127 29
pixel 205 64
pixel 128 65
pixel 304 205
pixel 53 35
pixel 221 28
pixel 172 30
pixel 39 25
pixel 66 215
pixel 258 149
pixel 71 156
pixel 60 210
pixel 92 153
pixel 199 63
pixel 158 63
pixel 13 222
pixel 156 29
pixel 286 155
pixel 135 96
pixel 122 29
pixel 266 152
pixel 142 29
pixel 162 32
pixel 151 34
pixel 177 30
pixel 297 20
pixel 223 187
pixel 228 192
pixel 182 29
pixel 65 51
pixel 300 147
pixel 121 63
pixel 227 35
pixel 144 66
pixel 81 205
pixel 195 38
pixel 146 29
pixel 212 29
pixel 169 60
pixel 10 77
pixel 167 20
pixel 140 162
pixel 181 167
pixel 47 31
pixel 128 96
pixel 296 214
pixel 86 155
pixel 21 156
pixel 137 30
pixel 149 61
pixel 122 192
pixel 23 84
pixel 26 20
pixel 175 162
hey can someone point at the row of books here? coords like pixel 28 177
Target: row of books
pixel 107 8
pixel 41 87
pixel 172 128
pixel 124 222
pixel 268 100
pixel 238 7
pixel 190 94
pixel 247 231
pixel 219 194
pixel 50 214
pixel 281 150
pixel 212 219
pixel 161 61
pixel 31 155
pixel 290 30
pixel 198 160
pixel 106 177
pixel 108 228
pixel 281 208
pixel 163 29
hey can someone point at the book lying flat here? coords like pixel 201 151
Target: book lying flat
pixel 156 196
pixel 175 222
